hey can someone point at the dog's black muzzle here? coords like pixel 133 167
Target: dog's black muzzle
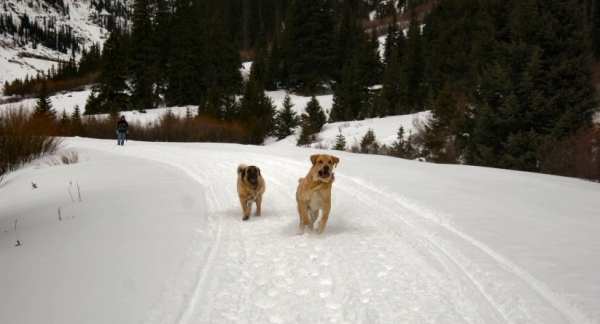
pixel 252 175
pixel 324 173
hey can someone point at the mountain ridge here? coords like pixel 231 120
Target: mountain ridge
pixel 89 22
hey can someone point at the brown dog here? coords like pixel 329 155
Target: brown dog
pixel 251 187
pixel 314 191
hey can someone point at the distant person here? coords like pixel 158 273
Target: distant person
pixel 122 130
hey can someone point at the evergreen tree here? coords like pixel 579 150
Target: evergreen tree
pixel 274 67
pixel 347 99
pixel 111 94
pixel 43 107
pixel 307 46
pixel 441 140
pixel 286 119
pixel 257 111
pixel 340 141
pixel 457 37
pixel 538 90
pixel 64 123
pixel 413 63
pixel 369 60
pixel 394 41
pixel 368 144
pixel 403 147
pixel 203 60
pixel 162 43
pixel 185 85
pixel 393 89
pixel 348 41
pixel 258 71
pixel 312 120
pixel 76 125
pixel 145 57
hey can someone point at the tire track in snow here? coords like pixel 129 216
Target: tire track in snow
pixel 503 299
pixel 423 247
pixel 422 241
pixel 177 302
pixel 439 268
pixel 330 273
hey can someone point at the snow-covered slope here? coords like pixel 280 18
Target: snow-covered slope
pixel 19 61
pixel 158 237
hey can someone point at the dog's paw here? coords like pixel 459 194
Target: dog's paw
pixel 246 217
pixel 320 229
pixel 301 230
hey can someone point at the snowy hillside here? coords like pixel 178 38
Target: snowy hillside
pixel 18 61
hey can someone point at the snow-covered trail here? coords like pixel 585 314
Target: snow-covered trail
pixel 381 259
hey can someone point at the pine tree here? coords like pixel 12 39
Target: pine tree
pixel 457 39
pixel 393 88
pixel 258 71
pixel 286 119
pixel 368 144
pixel 369 60
pixel 394 42
pixel 145 56
pixel 274 72
pixel 347 98
pixel 185 78
pixel 43 108
pixel 195 65
pixel 312 121
pixel 307 47
pixel 441 138
pixel 348 41
pixel 403 147
pixel 162 30
pixel 257 111
pixel 110 95
pixel 539 88
pixel 76 126
pixel 340 141
pixel 64 123
pixel 413 63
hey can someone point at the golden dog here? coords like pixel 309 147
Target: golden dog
pixel 251 187
pixel 314 192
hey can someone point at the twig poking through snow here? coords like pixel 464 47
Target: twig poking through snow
pixel 18 243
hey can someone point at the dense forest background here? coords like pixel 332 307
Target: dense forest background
pixel 510 83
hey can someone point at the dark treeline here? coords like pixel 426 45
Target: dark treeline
pixel 504 79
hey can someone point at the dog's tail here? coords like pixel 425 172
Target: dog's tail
pixel 240 168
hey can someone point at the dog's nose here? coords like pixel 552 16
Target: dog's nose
pixel 326 168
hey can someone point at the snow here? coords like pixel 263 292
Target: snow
pixel 153 233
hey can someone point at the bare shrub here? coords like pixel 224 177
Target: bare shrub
pixel 71 157
pixel 24 138
pixel 577 156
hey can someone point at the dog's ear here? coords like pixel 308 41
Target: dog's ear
pixel 258 169
pixel 313 158
pixel 335 160
pixel 243 173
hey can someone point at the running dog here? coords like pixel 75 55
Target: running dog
pixel 251 187
pixel 314 192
